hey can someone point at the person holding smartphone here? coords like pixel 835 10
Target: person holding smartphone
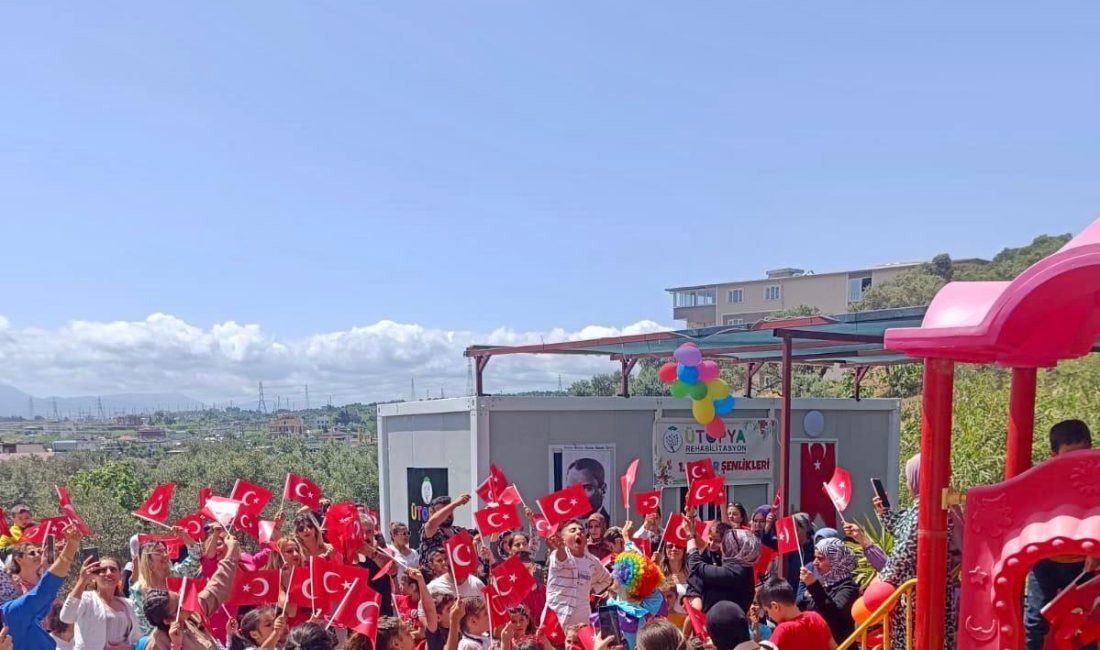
pixel 24 615
pixel 103 619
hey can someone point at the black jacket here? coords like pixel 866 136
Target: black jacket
pixel 731 582
pixel 834 603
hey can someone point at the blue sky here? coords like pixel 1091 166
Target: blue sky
pixel 316 167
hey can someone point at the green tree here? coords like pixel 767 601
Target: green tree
pixel 912 288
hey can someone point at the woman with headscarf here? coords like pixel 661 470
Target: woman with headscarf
pixel 733 580
pixel 830 586
pixel 901 564
pixel 805 529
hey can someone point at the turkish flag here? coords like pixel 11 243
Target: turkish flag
pixel 192 523
pixel 698 469
pixel 818 465
pixel 248 522
pixel 498 608
pixel 222 510
pixel 543 527
pixel 647 502
pixel 461 556
pixel 765 561
pixel 645 547
pixel 698 619
pixel 265 533
pixel 300 589
pixel 551 628
pixel 155 508
pixel 66 504
pixel 563 505
pixel 189 590
pixel 254 588
pixel 492 487
pixel 253 497
pixel 302 490
pixel 839 489
pixel 674 533
pixel 328 580
pixel 777 500
pixel 4 530
pixel 497 520
pixel 204 494
pixel 587 636
pixel 510 496
pixel 626 482
pixel 512 580
pixel 786 535
pixel 344 528
pixel 38 533
pixel 172 543
pixel 706 490
pixel 360 610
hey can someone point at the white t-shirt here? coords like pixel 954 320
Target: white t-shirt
pixel 472 642
pixel 411 559
pixel 568 584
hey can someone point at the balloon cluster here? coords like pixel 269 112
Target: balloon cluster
pixel 690 376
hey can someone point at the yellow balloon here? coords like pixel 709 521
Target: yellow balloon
pixel 718 389
pixel 703 410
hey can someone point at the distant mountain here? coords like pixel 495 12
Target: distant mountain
pixel 14 402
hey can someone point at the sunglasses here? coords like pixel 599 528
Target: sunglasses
pixel 35 553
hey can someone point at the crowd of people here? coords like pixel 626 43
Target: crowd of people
pixel 723 589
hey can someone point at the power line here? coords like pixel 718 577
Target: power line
pixel 262 405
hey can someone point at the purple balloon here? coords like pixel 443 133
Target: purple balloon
pixel 688 355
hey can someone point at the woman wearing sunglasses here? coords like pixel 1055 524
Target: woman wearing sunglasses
pixel 103 619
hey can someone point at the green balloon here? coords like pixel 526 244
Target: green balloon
pixel 698 391
pixel 679 389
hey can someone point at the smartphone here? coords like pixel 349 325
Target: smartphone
pixel 51 550
pixel 609 625
pixel 880 491
pixel 89 552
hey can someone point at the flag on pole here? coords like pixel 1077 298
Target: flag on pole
pixel 497 520
pixel 461 556
pixel 786 534
pixel 254 498
pixel 563 505
pixel 626 482
pixel 155 508
pixel 647 502
pixel 221 510
pixel 698 619
pixel 699 469
pixel 839 489
pixel 706 490
pixel 302 490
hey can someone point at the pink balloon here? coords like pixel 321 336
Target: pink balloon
pixel 716 428
pixel 688 355
pixel 708 371
pixel 877 593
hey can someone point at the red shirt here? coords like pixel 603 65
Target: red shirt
pixel 807 631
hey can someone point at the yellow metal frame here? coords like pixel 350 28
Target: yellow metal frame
pixel 881 617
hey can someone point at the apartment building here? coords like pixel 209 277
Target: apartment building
pixel 748 301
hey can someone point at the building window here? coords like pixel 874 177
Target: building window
pixel 696 298
pixel 736 296
pixel 733 320
pixel 774 292
pixel 857 287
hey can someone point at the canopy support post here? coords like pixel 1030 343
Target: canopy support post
pixel 1021 421
pixel 935 476
pixel 751 368
pixel 785 440
pixel 479 375
pixel 627 368
pixel 861 372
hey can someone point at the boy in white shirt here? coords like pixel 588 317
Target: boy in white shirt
pixel 475 625
pixel 574 573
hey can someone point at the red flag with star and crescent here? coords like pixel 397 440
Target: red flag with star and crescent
pixel 155 508
pixel 551 628
pixel 497 520
pixel 300 489
pixel 512 580
pixel 698 619
pixel 706 490
pixel 563 505
pixel 461 556
pixel 544 528
pixel 192 524
pixel 786 535
pixel 699 469
pixel 254 587
pixel 254 498
pixel 360 610
pixel 647 502
pixel 818 465
pixel 839 489
pixel 674 530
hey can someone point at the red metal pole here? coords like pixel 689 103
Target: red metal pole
pixel 935 474
pixel 785 440
pixel 749 372
pixel 1021 421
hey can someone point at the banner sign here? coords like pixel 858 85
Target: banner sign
pixel 745 452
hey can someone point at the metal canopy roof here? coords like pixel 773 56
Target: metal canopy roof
pixel 850 339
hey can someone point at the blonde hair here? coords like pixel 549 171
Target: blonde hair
pixel 143 566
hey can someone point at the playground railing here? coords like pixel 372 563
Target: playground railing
pixel 875 632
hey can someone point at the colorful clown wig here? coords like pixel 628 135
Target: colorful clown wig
pixel 637 574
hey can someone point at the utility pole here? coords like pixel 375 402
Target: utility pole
pixel 99 409
pixel 412 388
pixel 307 397
pixel 262 405
pixel 56 416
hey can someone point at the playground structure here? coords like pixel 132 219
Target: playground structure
pixel 1049 313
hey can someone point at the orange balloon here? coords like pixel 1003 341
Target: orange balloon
pixel 860 613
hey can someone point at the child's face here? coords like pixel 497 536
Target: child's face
pixel 574 538
pixel 478 623
pixel 438 563
pixel 403 640
pixel 774 612
pixel 519 623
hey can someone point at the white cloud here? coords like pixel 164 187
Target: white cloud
pixel 166 354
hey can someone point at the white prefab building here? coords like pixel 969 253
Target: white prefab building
pixel 430 448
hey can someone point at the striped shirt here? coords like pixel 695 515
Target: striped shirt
pixel 569 583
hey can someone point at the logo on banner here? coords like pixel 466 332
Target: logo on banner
pixel 426 490
pixel 673 439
